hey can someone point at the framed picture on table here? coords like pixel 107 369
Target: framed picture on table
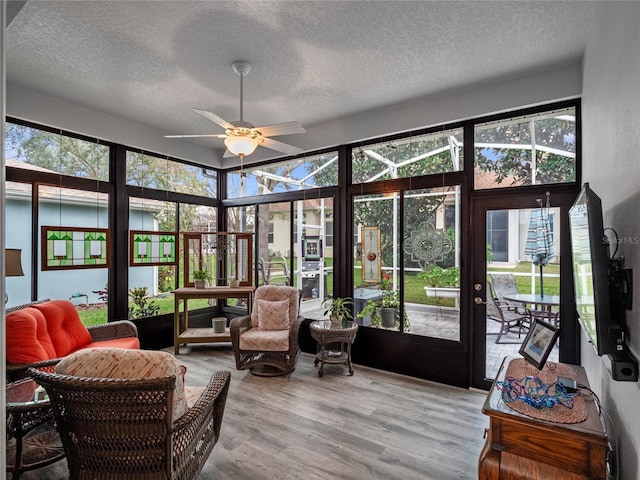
pixel 539 342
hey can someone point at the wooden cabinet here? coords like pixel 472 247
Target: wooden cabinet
pixel 519 447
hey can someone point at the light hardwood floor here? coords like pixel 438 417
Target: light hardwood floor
pixel 374 425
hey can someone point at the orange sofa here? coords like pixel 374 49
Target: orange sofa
pixel 41 334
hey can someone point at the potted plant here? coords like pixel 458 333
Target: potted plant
pixel 384 312
pixel 338 308
pixel 200 277
pixel 441 277
pixel 442 282
pixel 389 309
pixel 234 282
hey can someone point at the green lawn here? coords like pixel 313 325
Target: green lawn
pixel 98 316
pixel 551 284
pixel 413 288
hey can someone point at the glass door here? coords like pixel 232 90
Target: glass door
pixel 518 255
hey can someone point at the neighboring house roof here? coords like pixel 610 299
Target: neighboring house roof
pixel 50 193
pixel 484 180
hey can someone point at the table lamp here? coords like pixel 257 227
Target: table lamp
pixel 12 265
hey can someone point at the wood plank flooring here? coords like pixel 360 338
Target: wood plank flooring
pixel 374 425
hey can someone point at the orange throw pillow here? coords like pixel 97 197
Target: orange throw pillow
pixel 66 330
pixel 27 338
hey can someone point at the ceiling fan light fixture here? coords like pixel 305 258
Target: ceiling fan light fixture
pixel 241 145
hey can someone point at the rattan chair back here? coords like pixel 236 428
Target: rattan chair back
pixel 122 428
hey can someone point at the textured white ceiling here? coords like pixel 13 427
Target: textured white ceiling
pixel 151 62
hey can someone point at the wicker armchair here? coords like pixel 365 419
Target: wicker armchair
pixel 263 349
pixel 115 428
pixel 108 331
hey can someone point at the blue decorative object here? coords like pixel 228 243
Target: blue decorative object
pixel 532 391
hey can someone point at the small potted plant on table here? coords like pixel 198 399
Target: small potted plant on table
pixel 200 277
pixel 338 308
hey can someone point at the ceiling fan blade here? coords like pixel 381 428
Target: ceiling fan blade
pixel 280 147
pixel 217 135
pixel 214 118
pixel 288 128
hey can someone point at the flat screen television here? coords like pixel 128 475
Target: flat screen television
pixel 590 250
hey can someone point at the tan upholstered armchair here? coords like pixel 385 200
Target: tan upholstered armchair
pixel 266 342
pixel 126 414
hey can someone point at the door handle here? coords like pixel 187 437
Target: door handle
pixel 478 301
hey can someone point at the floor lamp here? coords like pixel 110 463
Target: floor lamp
pixel 12 265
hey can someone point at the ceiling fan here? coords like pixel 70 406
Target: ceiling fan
pixel 242 138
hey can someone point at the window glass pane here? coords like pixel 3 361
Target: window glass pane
pixel 431 261
pixel 408 157
pixel 51 152
pixel 18 235
pixel 313 255
pixel 150 286
pixel 242 219
pixel 522 265
pixel 199 218
pixel 533 150
pixel 153 172
pixel 291 175
pixel 68 207
pixel 376 268
pixel 274 243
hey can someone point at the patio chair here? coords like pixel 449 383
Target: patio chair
pixel 505 284
pixel 266 342
pixel 510 321
pixel 274 272
pixel 124 414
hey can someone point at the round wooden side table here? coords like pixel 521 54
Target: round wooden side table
pixel 325 332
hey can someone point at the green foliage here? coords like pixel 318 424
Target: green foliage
pixel 200 275
pixel 142 306
pixel 441 277
pixel 166 279
pixel 515 165
pixel 489 253
pixel 390 299
pixel 338 307
pixel 59 153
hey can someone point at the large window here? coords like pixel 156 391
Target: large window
pixel 18 235
pixel 154 172
pixel 298 174
pixel 376 268
pixel 408 157
pixel 66 207
pixel 532 150
pixel 431 243
pixel 27 147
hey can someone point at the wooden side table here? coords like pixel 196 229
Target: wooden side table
pixel 520 447
pixel 35 442
pixel 183 334
pixel 325 332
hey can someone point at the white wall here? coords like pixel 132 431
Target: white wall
pixel 28 105
pixel 611 152
pixel 561 82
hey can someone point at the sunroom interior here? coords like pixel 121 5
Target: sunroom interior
pixel 415 200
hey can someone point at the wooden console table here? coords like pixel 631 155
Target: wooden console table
pixel 519 447
pixel 181 331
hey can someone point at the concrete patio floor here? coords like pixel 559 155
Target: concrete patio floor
pixel 444 323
